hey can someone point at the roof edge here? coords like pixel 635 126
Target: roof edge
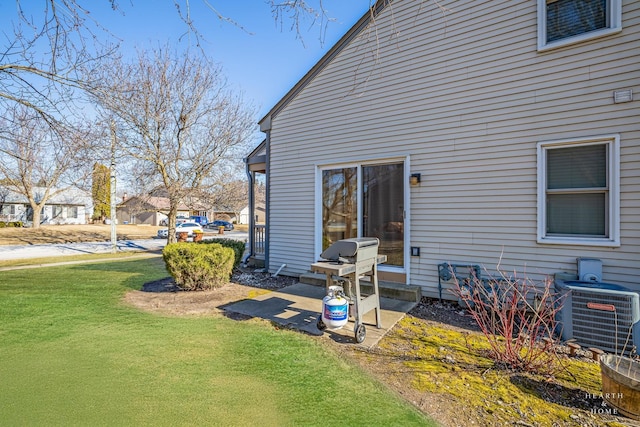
pixel 256 150
pixel 353 32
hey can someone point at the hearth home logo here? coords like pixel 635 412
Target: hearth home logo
pixel 603 408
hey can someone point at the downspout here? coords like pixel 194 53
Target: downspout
pixel 267 216
pixel 252 222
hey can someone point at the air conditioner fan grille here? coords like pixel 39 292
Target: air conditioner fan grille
pixel 607 330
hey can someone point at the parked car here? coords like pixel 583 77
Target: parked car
pixel 179 220
pixel 189 227
pixel 202 220
pixel 217 223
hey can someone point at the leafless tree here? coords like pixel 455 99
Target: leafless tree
pixel 37 161
pixel 40 58
pixel 229 195
pixel 4 193
pixel 44 58
pixel 227 189
pixel 176 118
pixel 41 55
pixel 236 196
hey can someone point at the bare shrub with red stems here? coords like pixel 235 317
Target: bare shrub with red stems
pixel 518 319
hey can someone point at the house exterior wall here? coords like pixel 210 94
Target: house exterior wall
pixel 13 212
pixel 71 206
pixel 64 214
pixel 51 214
pixel 147 210
pixel 245 215
pixel 464 94
pixel 145 218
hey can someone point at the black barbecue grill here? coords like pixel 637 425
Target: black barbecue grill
pixel 345 261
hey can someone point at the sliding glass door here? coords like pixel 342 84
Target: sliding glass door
pixel 365 201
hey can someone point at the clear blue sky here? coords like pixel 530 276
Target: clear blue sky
pixel 263 61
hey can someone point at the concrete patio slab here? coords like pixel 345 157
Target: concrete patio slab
pixel 298 306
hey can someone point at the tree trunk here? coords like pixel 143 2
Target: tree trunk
pixel 171 221
pixel 37 209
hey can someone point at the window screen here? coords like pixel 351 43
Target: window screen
pixel 576 214
pixel 577 191
pixel 577 167
pixel 383 209
pixel 567 18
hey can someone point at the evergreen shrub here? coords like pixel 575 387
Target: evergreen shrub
pixel 16 224
pixel 237 246
pixel 198 267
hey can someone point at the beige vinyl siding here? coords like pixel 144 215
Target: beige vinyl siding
pixel 291 214
pixel 467 97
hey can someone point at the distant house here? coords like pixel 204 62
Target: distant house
pixel 154 210
pixel 259 213
pixel 149 210
pixel 72 206
pixel 463 132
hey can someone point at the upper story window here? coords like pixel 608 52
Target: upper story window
pixel 578 191
pixel 562 22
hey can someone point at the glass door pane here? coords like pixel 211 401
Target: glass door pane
pixel 339 205
pixel 383 209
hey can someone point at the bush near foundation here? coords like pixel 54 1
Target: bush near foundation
pixel 518 318
pixel 199 267
pixel 17 224
pixel 237 246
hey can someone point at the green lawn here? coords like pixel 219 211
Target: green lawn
pixel 72 354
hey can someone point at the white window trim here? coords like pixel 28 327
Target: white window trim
pixel 70 210
pixel 11 208
pixel 615 26
pixel 614 192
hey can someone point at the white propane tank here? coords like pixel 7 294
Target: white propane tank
pixel 335 308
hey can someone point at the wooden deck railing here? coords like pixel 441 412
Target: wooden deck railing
pixel 259 240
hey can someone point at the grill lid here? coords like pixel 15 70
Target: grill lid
pixel 348 248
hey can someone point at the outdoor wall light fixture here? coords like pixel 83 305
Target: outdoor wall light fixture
pixel 414 179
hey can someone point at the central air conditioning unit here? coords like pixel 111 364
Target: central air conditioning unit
pixel 600 315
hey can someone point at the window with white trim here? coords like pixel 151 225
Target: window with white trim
pixel 562 22
pixel 57 211
pixel 7 210
pixel 578 196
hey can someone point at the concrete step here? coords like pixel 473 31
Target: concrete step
pixel 391 290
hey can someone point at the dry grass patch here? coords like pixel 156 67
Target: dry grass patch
pixel 73 234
